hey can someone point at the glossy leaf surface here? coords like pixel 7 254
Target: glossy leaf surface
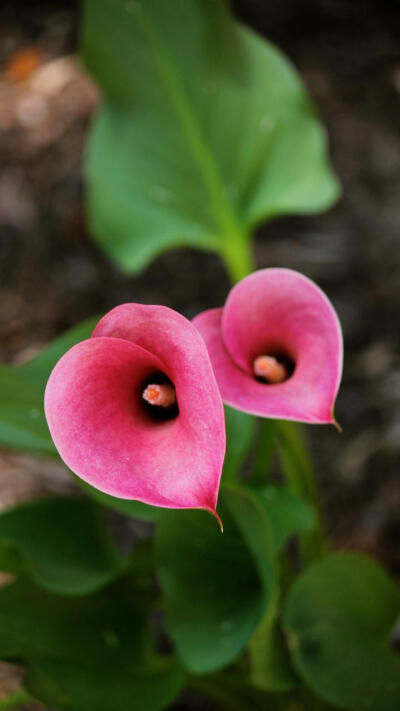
pixel 216 586
pixel 85 654
pixel 339 617
pixel 60 543
pixel 206 130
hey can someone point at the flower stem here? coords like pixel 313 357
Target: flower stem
pixel 300 477
pixel 237 254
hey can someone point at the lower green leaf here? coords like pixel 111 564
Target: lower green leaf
pixel 23 424
pixel 86 654
pixel 339 617
pixel 61 543
pixel 216 586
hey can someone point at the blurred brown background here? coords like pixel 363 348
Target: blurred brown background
pixel 52 276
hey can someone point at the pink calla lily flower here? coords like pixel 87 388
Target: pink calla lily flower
pixel 276 347
pixel 135 410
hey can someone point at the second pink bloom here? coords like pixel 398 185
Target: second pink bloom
pixel 276 347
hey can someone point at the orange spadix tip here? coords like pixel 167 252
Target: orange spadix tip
pixel 162 395
pixel 268 367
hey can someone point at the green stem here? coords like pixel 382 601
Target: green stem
pixel 237 253
pixel 301 481
pixel 263 453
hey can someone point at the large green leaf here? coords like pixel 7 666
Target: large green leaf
pixel 298 472
pixel 339 617
pixel 85 654
pixel 216 585
pixel 22 422
pixel 61 543
pixel 205 131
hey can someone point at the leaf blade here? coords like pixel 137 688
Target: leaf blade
pixel 86 654
pixel 205 180
pixel 61 543
pixel 339 616
pixel 216 586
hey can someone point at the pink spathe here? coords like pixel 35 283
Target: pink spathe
pixel 105 432
pixel 280 313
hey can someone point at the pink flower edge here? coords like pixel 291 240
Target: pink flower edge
pixel 103 432
pixel 280 311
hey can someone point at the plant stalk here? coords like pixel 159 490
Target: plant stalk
pixel 300 478
pixel 237 253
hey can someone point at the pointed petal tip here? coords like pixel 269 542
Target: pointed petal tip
pixel 336 424
pixel 219 520
pixel 214 513
pixel 333 421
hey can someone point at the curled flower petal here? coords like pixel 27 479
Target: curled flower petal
pixel 117 440
pixel 282 314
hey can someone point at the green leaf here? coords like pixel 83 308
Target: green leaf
pixel 23 427
pixel 339 617
pixel 39 368
pixel 240 431
pixel 136 509
pixel 299 475
pixel 23 424
pixel 85 654
pixel 60 543
pixel 206 130
pixel 288 514
pixel 216 586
